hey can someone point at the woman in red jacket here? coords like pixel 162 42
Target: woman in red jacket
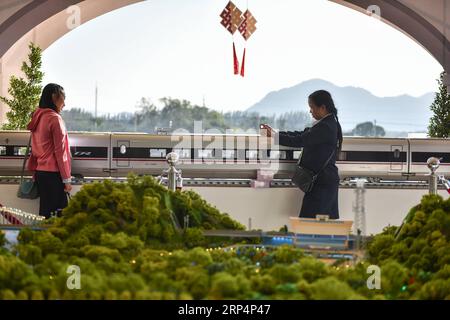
pixel 50 156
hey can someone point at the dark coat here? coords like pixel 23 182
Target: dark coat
pixel 318 142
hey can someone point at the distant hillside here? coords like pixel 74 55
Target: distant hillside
pixel 355 105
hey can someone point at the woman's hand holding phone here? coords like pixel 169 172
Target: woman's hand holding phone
pixel 270 131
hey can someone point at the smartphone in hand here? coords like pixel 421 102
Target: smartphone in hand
pixel 270 131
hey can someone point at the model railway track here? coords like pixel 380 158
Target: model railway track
pixel 276 183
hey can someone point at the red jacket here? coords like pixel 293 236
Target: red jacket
pixel 49 143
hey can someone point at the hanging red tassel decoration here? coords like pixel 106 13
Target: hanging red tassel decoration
pixel 243 63
pixel 246 28
pixel 235 60
pixel 231 19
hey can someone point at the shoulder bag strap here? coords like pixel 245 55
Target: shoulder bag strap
pixel 328 160
pixel 25 159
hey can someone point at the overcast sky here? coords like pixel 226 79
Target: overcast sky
pixel 179 49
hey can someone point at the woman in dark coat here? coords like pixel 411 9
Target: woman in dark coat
pixel 318 143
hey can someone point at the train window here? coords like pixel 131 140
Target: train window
pixel 123 149
pixel 277 154
pixel 158 153
pixel 251 154
pixel 396 153
pixel 183 153
pixel 342 156
pixel 297 154
pixel 2 151
pixel 205 153
pixel 228 154
pixel 20 151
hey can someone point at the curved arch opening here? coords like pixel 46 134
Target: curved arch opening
pixel 291 82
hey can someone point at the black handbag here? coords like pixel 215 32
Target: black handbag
pixel 304 178
pixel 28 188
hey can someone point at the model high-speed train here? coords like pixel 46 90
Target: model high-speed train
pixel 229 156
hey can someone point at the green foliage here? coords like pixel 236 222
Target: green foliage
pixel 7 295
pixel 194 237
pixel 422 243
pixel 264 284
pixel 15 274
pixel 287 254
pixel 30 254
pixel 312 269
pixel 332 289
pixel 125 217
pixel 107 231
pixel 25 93
pixel 22 295
pixel 181 114
pixel 394 277
pixel 224 285
pixel 412 256
pixel 439 126
pixel 435 290
pixel 37 295
pixel 124 240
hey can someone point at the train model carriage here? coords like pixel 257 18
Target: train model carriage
pixel 229 156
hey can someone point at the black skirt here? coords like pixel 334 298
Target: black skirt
pixel 53 198
pixel 322 199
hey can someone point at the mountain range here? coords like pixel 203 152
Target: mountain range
pixel 355 105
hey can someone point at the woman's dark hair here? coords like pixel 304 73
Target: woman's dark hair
pixel 46 101
pixel 323 98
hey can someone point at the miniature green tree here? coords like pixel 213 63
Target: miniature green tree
pixel 24 93
pixel 440 121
